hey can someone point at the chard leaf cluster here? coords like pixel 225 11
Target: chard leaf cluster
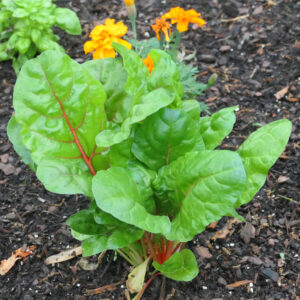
pixel 25 28
pixel 111 131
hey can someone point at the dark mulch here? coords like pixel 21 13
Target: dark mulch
pixel 255 57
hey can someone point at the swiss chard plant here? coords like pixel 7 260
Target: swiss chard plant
pixel 110 130
pixel 25 28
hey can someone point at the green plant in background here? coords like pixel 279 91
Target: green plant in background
pixel 25 28
pixel 110 130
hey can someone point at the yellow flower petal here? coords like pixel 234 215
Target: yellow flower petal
pixel 123 42
pixel 182 26
pixel 89 46
pixel 183 18
pixel 148 61
pixel 102 37
pixel 129 2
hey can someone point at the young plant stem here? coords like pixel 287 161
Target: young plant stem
pixel 169 250
pixel 120 252
pixel 133 24
pixel 146 285
pixel 150 246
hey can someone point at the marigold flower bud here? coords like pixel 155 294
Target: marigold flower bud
pixel 131 9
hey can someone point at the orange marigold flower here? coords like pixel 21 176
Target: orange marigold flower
pixel 183 18
pixel 129 2
pixel 102 38
pixel 148 61
pixel 163 26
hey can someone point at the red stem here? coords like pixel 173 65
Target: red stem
pixel 84 156
pixel 170 245
pixel 176 248
pixel 146 285
pixel 150 247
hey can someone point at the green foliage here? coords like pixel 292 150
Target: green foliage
pixel 124 138
pixel 182 266
pixel 25 28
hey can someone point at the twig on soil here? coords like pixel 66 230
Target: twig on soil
pixel 100 290
pixel 63 256
pixel 238 284
pixel 234 19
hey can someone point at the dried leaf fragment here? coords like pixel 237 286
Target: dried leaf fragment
pixel 280 94
pixel 63 256
pixel 7 264
pixel 203 252
pixel 226 230
pixel 282 179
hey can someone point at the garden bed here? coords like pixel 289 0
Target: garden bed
pixel 253 48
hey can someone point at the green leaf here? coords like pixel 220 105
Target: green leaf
pixel 14 134
pixel 117 193
pixel 20 13
pixel 80 236
pixel 216 127
pixel 120 154
pixel 139 112
pixel 135 67
pixel 260 152
pixel 192 107
pixel 112 75
pixel 165 74
pixel 83 222
pixel 181 266
pixel 118 238
pixel 36 34
pixel 202 187
pixel 102 217
pixel 67 20
pixel 143 178
pixel 165 136
pixel 71 177
pixel 23 45
pixel 163 85
pixel 46 43
pixel 60 108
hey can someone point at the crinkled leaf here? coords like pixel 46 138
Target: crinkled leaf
pixel 148 105
pixel 165 74
pixel 259 153
pixel 65 176
pixel 202 187
pixel 135 67
pixel 112 75
pixel 60 108
pixel 14 134
pixel 143 178
pixel 67 20
pixel 23 45
pixel 115 239
pixel 165 136
pixel 117 193
pixel 46 43
pixel 20 13
pixel 181 266
pixel 120 154
pixel 150 94
pixel 216 127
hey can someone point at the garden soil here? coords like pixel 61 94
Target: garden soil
pixel 254 47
